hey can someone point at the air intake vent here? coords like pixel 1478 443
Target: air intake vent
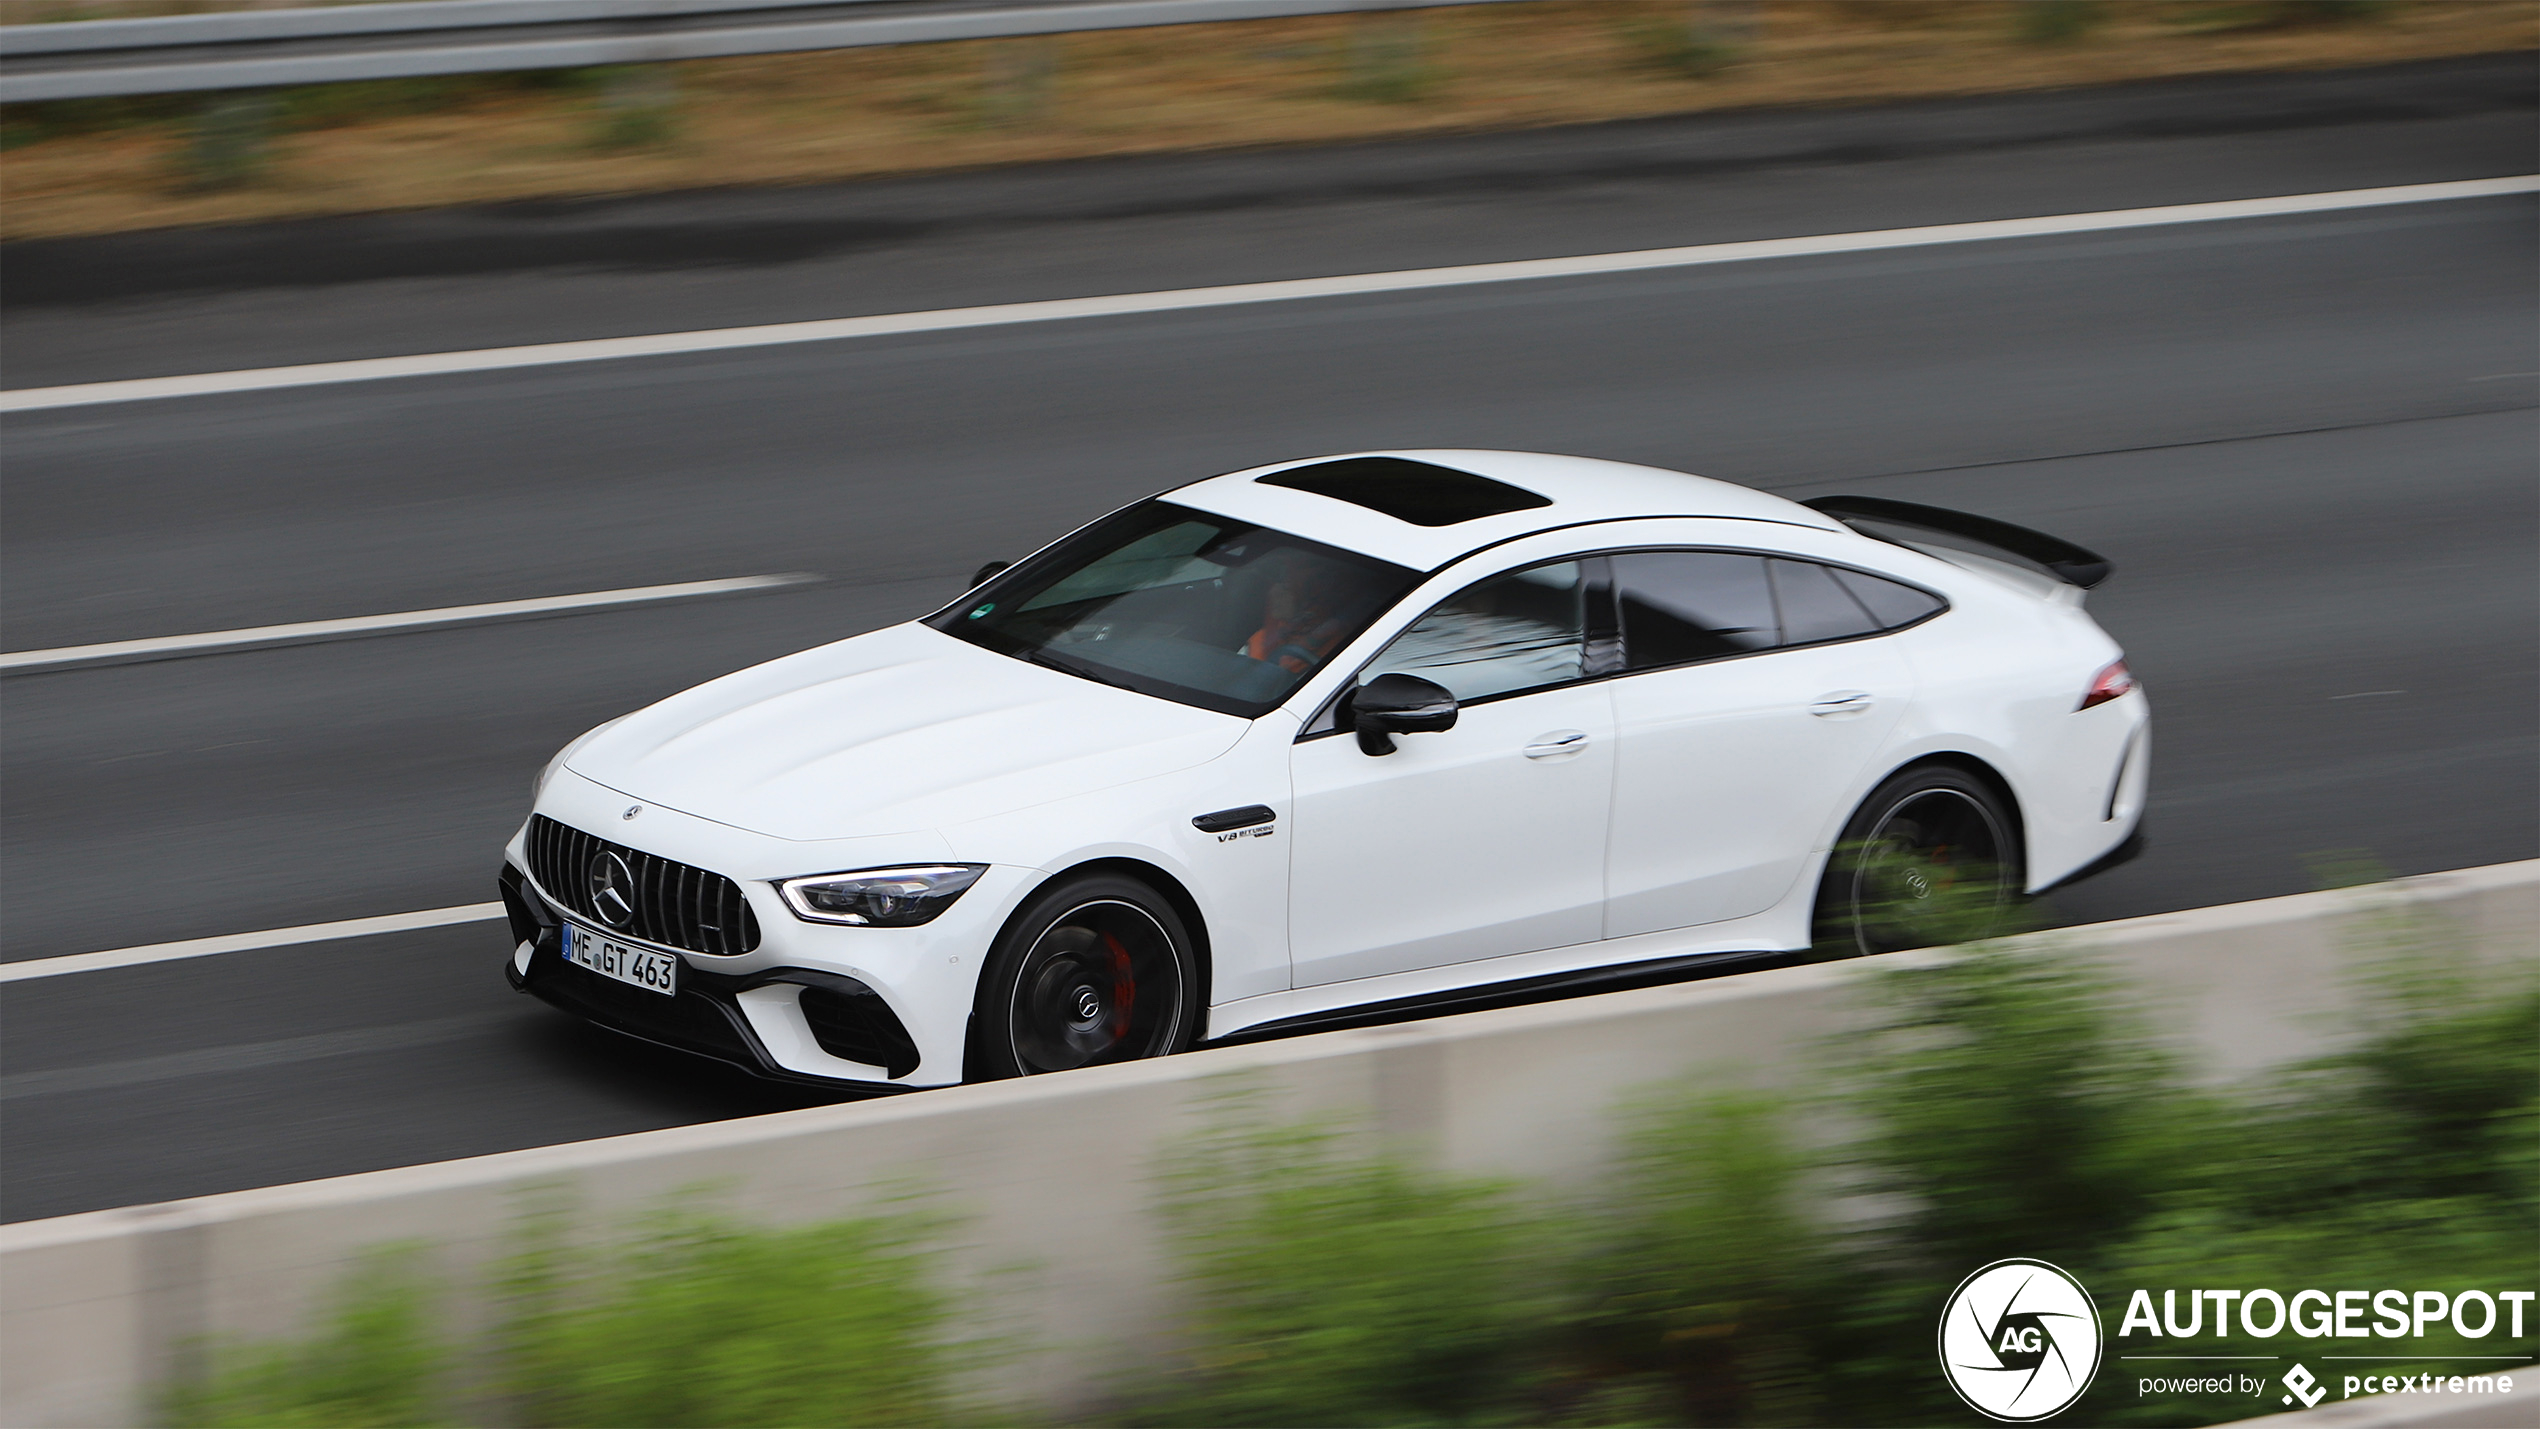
pixel 667 903
pixel 849 1021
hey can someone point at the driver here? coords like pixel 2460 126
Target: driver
pixel 1298 626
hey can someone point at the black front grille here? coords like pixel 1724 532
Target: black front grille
pixel 675 905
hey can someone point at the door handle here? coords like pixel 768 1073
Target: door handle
pixel 1556 744
pixel 1841 702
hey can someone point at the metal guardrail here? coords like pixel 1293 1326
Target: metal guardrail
pixel 89 59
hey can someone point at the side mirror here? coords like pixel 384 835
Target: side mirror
pixel 1398 704
pixel 980 577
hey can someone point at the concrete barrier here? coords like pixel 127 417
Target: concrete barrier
pixel 1052 1173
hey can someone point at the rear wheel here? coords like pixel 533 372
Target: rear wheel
pixel 1097 969
pixel 1931 857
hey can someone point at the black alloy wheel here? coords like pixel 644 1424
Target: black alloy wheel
pixel 1930 858
pixel 1095 970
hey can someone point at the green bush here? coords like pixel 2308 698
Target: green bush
pixel 1387 60
pixel 330 106
pixel 1018 81
pixel 637 106
pixel 1336 1290
pixel 2323 12
pixel 695 1322
pixel 1680 39
pixel 2055 22
pixel 2018 1104
pixel 378 1363
pixel 2224 15
pixel 290 108
pixel 1704 1277
pixel 231 144
pixel 700 1322
pixel 2447 1081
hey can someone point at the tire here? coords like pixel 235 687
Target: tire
pixel 1930 858
pixel 1096 969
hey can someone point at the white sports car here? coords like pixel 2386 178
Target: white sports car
pixel 1327 739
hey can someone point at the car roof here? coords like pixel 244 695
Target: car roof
pixel 1577 491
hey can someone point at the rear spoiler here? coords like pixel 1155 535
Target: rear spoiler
pixel 2067 562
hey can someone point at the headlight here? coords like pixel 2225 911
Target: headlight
pixel 538 785
pixel 879 897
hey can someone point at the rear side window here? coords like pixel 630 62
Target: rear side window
pixel 1678 607
pixel 1814 608
pixel 1681 606
pixel 1893 603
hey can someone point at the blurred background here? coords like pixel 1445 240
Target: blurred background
pixel 116 163
pixel 2306 441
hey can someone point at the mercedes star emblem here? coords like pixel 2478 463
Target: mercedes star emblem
pixel 631 811
pixel 612 889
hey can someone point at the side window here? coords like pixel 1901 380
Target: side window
pixel 1514 632
pixel 1680 606
pixel 1815 608
pixel 1892 602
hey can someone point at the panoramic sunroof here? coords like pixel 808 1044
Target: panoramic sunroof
pixel 1412 491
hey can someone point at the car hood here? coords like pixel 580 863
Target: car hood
pixel 896 731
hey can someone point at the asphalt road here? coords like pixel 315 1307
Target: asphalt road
pixel 2309 444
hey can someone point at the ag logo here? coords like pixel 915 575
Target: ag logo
pixel 2019 1340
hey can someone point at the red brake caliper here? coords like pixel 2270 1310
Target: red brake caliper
pixel 1124 987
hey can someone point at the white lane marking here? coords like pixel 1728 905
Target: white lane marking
pixel 246 1056
pixel 30 399
pixel 401 620
pixel 249 942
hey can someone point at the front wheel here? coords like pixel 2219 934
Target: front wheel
pixel 1930 858
pixel 1095 970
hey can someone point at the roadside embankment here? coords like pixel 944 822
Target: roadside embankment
pixel 1047 1183
pixel 106 166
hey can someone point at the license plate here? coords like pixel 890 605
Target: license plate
pixel 636 967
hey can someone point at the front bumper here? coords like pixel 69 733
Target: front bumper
pixel 811 1002
pixel 845 1018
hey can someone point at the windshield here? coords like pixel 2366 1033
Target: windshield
pixel 1207 610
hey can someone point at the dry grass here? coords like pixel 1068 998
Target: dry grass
pixel 791 119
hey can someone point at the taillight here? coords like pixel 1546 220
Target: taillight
pixel 2107 685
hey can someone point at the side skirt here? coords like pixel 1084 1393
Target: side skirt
pixel 1515 992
